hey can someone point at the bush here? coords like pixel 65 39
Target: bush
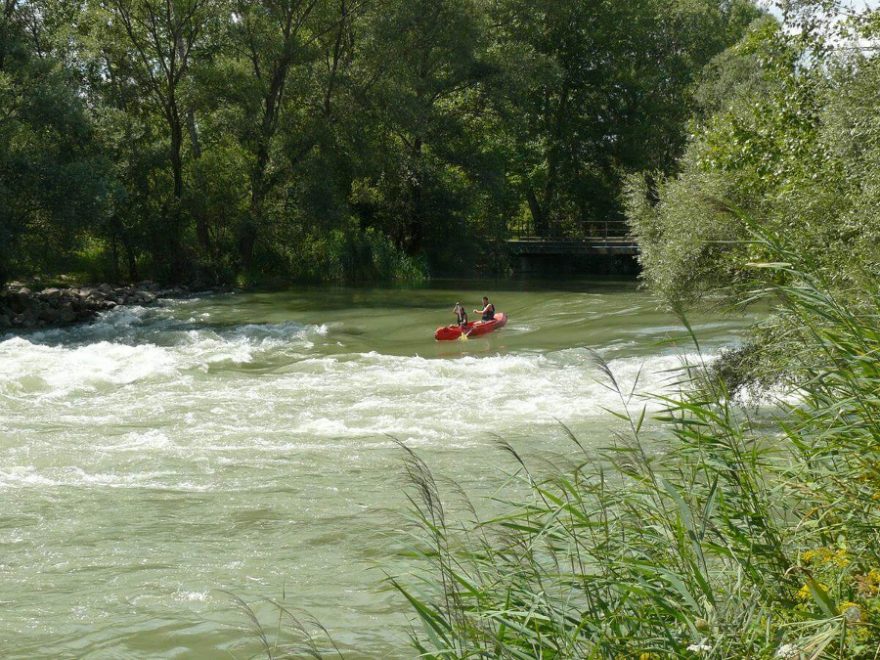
pixel 347 255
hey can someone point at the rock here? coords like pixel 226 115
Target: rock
pixel 20 300
pixel 67 314
pixel 21 308
pixel 27 319
pixel 50 314
pixel 143 298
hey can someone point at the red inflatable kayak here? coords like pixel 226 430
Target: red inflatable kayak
pixel 472 329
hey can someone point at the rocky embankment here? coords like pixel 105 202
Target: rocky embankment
pixel 23 308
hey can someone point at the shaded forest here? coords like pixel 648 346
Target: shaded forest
pixel 224 141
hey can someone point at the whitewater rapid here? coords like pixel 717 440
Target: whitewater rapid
pixel 139 381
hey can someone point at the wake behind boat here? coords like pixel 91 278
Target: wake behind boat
pixel 472 329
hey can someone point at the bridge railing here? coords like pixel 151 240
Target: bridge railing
pixel 607 230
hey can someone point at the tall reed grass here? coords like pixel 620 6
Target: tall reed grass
pixel 711 530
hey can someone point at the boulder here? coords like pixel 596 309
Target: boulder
pixel 27 319
pixel 50 314
pixel 19 300
pixel 67 314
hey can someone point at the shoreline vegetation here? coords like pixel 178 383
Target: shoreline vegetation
pixel 228 143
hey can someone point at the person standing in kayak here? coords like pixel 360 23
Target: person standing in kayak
pixel 460 314
pixel 488 311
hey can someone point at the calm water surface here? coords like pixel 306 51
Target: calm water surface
pixel 243 442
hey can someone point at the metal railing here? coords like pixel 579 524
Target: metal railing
pixel 608 230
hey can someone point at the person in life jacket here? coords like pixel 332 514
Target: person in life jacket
pixel 488 311
pixel 460 314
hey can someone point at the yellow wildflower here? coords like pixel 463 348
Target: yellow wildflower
pixel 851 611
pixel 868 585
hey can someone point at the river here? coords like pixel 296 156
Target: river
pixel 161 457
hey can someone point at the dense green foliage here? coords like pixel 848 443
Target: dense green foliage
pixel 788 133
pixel 326 139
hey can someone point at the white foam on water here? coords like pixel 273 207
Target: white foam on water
pixel 126 346
pixel 59 371
pixel 125 402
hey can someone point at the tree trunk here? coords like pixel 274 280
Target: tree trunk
pixel 202 233
pixel 175 217
pixel 248 232
pixel 415 224
pixel 539 220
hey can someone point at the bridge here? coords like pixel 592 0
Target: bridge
pixel 606 237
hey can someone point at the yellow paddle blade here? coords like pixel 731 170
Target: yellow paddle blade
pixel 462 337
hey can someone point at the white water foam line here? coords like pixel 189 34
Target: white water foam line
pixel 116 410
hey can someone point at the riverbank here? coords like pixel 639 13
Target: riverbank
pixel 24 308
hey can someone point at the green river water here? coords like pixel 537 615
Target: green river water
pixel 161 456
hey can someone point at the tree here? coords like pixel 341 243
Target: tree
pixel 422 64
pixel 154 42
pixel 275 37
pixel 593 90
pixel 52 181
